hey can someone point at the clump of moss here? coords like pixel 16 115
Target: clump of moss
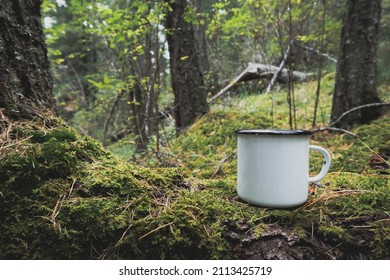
pixel 64 197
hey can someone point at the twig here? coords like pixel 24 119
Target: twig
pixel 156 229
pixel 354 135
pixel 315 51
pixel 319 72
pixel 259 71
pixel 71 187
pixel 330 195
pixel 378 155
pixel 16 143
pixel 123 236
pixel 335 129
pixel 115 104
pixel 330 126
pixel 291 94
pixel 280 68
pixel 356 109
pixel 220 163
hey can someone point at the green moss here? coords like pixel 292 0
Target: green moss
pixel 63 196
pixel 380 244
pixel 60 134
pixel 358 155
pixel 208 148
pixel 330 231
pixel 68 193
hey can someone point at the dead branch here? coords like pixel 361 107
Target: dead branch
pixel 229 86
pixel 331 125
pixel 258 71
pixel 114 105
pixel 334 129
pixel 220 164
pixel 276 74
pixel 356 109
pixel 315 51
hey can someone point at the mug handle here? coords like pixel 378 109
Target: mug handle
pixel 325 167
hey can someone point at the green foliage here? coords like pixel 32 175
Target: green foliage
pixel 259 31
pixel 99 51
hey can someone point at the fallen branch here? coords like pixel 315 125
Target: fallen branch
pixel 229 86
pixel 258 71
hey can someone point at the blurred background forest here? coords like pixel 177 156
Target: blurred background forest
pixel 113 79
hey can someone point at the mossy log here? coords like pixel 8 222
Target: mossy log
pixel 62 196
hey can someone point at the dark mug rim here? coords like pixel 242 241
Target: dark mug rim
pixel 274 132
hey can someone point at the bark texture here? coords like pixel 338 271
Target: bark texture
pixel 187 79
pixel 25 79
pixel 356 67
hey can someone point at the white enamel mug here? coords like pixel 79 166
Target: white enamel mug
pixel 273 167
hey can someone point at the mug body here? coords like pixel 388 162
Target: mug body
pixel 273 167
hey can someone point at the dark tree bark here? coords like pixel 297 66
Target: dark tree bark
pixel 138 120
pixel 356 67
pixel 200 37
pixel 210 77
pixel 25 79
pixel 187 79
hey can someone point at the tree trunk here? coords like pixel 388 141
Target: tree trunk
pixel 187 79
pixel 137 106
pixel 201 48
pixel 25 79
pixel 356 66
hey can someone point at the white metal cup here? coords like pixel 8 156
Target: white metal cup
pixel 273 167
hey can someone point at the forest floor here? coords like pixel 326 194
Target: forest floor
pixel 63 196
pixel 346 214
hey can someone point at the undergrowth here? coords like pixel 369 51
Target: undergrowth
pixel 63 196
